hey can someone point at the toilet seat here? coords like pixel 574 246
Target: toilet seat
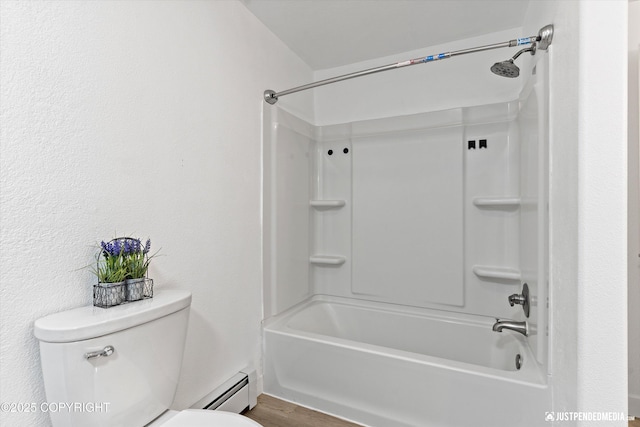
pixel 205 418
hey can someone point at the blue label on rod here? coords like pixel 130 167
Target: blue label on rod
pixel 434 58
pixel 524 40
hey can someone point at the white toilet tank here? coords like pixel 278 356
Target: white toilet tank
pixel 131 386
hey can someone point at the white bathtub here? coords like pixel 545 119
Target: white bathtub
pixel 385 366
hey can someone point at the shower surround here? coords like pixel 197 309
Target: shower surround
pixel 391 247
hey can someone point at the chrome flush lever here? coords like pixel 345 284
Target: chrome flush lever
pixel 521 299
pixel 107 351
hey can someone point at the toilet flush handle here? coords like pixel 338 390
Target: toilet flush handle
pixel 107 351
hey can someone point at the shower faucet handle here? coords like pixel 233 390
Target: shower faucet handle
pixel 516 299
pixel 521 299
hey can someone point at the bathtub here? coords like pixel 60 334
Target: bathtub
pixel 383 365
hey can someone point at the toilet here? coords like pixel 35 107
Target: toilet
pixel 120 366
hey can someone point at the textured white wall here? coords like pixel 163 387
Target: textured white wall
pixel 588 245
pixel 135 117
pixel 634 211
pixel 602 204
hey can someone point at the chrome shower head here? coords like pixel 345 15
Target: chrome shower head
pixel 508 68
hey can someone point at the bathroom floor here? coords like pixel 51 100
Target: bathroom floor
pixel 272 412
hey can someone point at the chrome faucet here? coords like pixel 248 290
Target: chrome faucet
pixel 521 299
pixel 521 327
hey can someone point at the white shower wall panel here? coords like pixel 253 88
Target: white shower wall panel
pixel 491 232
pixel 409 185
pixel 288 170
pixel 405 218
pixel 335 184
pixel 333 226
pixel 292 225
pixel 534 213
pixel 408 217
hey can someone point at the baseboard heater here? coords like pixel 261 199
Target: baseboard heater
pixel 238 394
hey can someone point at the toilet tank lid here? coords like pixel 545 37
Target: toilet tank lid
pixel 90 322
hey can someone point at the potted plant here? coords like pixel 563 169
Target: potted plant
pixel 111 271
pixel 137 261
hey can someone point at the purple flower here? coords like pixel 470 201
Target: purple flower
pixel 110 249
pixel 117 247
pixel 127 247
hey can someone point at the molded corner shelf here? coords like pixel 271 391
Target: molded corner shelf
pixel 327 204
pixel 327 259
pixel 496 272
pixel 497 202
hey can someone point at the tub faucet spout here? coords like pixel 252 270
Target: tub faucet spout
pixel 520 327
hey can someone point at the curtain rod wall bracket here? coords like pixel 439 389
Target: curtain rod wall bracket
pixel 546 36
pixel 270 96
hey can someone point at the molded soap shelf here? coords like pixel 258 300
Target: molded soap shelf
pixel 497 202
pixel 327 204
pixel 327 259
pixel 496 272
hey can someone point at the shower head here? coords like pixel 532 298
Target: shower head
pixel 508 68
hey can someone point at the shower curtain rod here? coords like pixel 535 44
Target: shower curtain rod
pixel 543 40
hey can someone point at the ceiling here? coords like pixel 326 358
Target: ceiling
pixel 331 33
